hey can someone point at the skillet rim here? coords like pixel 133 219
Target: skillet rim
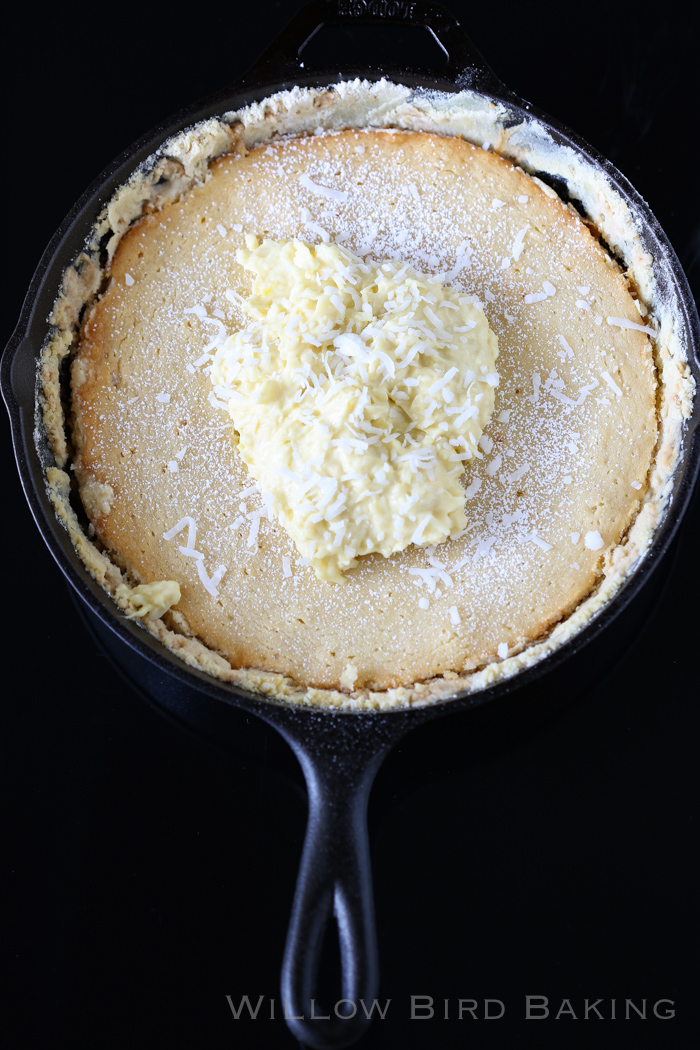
pixel 19 360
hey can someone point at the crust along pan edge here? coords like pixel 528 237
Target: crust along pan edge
pixel 182 162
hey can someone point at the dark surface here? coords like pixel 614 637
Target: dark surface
pixel 151 874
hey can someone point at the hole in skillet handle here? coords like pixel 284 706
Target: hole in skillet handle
pixel 330 971
pixel 305 47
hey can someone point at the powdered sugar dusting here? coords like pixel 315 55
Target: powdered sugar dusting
pixel 521 511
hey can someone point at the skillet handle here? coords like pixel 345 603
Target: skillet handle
pixel 340 755
pixel 282 62
pixel 334 884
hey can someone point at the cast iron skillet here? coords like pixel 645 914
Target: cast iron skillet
pixel 340 752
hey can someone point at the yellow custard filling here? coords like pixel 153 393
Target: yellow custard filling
pixel 359 391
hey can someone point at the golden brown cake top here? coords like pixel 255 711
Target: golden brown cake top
pixel 565 460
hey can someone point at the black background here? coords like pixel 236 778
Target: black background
pixel 151 874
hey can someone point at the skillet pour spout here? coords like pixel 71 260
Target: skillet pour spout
pixel 340 752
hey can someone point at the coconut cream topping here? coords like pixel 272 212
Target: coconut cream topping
pixel 359 391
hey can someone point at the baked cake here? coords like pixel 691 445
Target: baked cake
pixel 562 469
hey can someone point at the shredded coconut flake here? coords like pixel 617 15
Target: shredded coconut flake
pixel 539 542
pixel 322 191
pixel 211 583
pixel 187 552
pixel 622 322
pixel 568 351
pixel 593 540
pixel 519 243
pixel 611 383
pixel 188 523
